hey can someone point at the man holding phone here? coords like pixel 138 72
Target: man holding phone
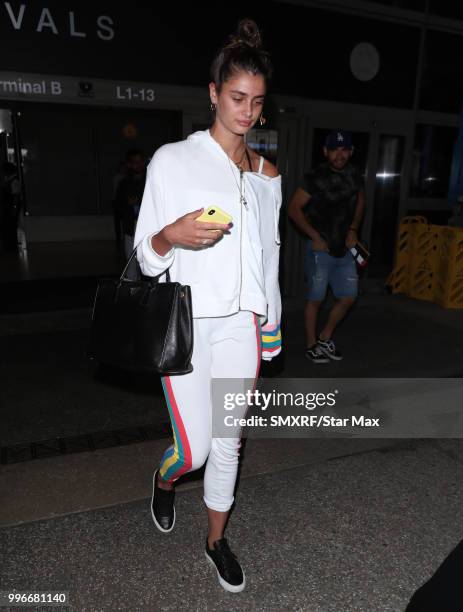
pixel 328 208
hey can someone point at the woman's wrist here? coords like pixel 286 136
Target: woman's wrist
pixel 167 236
pixel 161 242
pixel 353 229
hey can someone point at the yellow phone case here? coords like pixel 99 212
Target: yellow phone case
pixel 214 214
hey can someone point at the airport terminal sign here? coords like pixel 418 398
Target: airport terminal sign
pixel 59 21
pixel 71 90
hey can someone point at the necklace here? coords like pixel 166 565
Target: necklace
pixel 241 185
pixel 239 163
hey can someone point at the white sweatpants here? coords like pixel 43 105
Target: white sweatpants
pixel 224 347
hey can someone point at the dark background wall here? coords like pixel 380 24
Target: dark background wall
pixel 73 154
pixel 442 83
pixel 173 44
pixel 166 43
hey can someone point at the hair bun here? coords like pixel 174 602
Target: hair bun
pixel 242 52
pixel 247 33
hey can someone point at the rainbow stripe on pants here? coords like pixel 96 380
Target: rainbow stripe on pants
pixel 177 458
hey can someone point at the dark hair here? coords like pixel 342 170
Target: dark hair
pixel 244 51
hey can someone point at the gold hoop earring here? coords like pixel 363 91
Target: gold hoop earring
pixel 262 120
pixel 213 107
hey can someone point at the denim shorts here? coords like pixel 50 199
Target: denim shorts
pixel 322 269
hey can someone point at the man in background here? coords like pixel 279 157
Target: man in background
pixel 11 206
pixel 128 200
pixel 328 208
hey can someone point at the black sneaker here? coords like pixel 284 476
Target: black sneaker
pixel 316 355
pixel 162 506
pixel 231 576
pixel 329 349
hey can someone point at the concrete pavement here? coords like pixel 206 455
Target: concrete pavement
pixel 320 525
pixel 353 534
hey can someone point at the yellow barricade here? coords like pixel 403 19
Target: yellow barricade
pixel 400 276
pixel 449 281
pixel 428 262
pixel 424 262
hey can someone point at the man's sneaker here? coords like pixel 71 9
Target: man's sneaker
pixel 162 506
pixel 231 576
pixel 329 349
pixel 316 355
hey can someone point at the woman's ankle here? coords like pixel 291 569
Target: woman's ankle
pixel 211 540
pixel 163 484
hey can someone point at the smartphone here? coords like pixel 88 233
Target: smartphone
pixel 214 214
pixel 360 254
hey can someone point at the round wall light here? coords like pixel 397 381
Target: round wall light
pixel 364 61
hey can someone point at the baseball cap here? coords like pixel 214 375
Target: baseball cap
pixel 338 138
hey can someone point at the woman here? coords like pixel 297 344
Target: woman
pixel 233 273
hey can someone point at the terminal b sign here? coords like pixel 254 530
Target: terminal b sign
pixel 64 89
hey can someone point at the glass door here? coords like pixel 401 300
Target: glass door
pixel 388 181
pixel 381 145
pixel 12 196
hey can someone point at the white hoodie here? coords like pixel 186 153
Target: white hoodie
pixel 240 271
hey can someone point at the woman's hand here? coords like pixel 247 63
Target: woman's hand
pixel 187 232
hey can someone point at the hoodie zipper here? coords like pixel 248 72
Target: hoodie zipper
pixel 245 204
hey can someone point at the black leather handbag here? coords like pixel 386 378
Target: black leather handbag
pixel 142 324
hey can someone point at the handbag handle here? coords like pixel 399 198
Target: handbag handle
pixel 155 278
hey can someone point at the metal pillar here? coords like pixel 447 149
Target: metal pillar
pixel 456 173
